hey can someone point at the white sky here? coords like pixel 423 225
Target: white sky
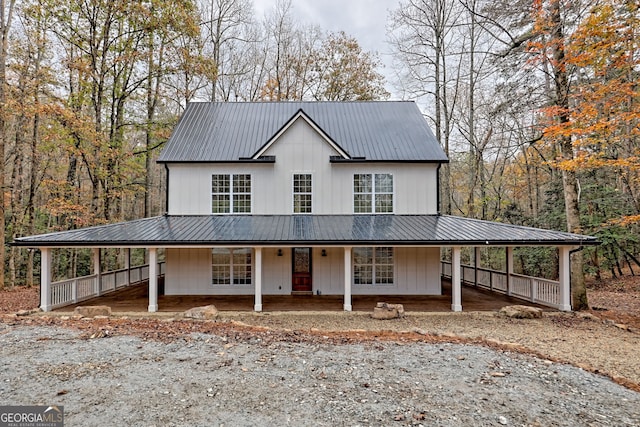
pixel 363 19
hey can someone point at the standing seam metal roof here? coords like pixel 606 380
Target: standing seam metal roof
pixel 305 230
pixel 228 131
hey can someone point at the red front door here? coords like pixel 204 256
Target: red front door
pixel 301 261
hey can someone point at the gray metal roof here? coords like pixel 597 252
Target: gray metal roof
pixel 305 230
pixel 230 131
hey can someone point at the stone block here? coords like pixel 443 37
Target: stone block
pixel 386 311
pixel 93 310
pixel 207 312
pixel 521 312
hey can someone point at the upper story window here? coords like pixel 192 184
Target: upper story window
pixel 231 193
pixel 302 193
pixel 373 193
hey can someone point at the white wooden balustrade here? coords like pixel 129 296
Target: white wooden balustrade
pixel 534 289
pixel 72 291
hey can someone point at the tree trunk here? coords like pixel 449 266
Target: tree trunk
pixel 5 23
pixel 569 179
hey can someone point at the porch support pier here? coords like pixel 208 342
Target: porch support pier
pixel 565 278
pixel 258 280
pixel 153 280
pixel 347 279
pixel 456 288
pixel 45 279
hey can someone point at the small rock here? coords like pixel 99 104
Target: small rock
pixel 502 420
pixel 208 312
pixel 497 374
pixel 588 316
pixel 621 326
pixel 21 313
pixel 386 311
pixel 93 310
pixel 521 312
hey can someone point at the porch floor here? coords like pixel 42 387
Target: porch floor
pixel 136 299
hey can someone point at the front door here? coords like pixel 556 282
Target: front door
pixel 301 261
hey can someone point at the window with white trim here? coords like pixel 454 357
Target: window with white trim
pixel 230 193
pixel 373 266
pixel 231 266
pixel 373 193
pixel 302 193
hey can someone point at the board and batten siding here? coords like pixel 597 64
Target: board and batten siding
pixel 302 150
pixel 416 272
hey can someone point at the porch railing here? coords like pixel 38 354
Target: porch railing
pixel 534 289
pixel 72 291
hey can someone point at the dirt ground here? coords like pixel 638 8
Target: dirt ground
pixel 538 357
pixel 604 340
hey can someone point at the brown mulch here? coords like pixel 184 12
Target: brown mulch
pixel 18 298
pixel 617 299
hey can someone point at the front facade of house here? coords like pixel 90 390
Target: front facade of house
pixel 315 198
pixel 306 173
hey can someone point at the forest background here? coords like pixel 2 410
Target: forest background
pixel 536 103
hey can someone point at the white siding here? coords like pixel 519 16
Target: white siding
pixel 302 150
pixel 276 272
pixel 416 272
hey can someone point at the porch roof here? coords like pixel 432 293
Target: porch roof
pixel 305 230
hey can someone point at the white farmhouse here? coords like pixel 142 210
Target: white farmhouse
pixel 315 198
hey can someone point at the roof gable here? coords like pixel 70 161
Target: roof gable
pixel 368 131
pixel 300 114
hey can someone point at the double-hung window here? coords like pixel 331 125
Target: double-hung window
pixel 231 266
pixel 302 193
pixel 231 193
pixel 373 266
pixel 373 193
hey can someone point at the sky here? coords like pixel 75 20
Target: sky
pixel 363 19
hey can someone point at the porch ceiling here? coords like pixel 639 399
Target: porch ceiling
pixel 305 230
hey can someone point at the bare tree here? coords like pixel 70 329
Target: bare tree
pixel 419 34
pixel 6 15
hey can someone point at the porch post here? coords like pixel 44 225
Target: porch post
pixel 456 288
pixel 153 280
pixel 509 272
pixel 127 266
pixel 347 279
pixel 45 279
pixel 97 270
pixel 565 278
pixel 477 260
pixel 258 280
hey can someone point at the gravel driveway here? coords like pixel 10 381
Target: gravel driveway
pixel 215 379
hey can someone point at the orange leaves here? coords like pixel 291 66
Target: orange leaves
pixel 601 117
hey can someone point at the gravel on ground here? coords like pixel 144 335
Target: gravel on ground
pixel 323 368
pixel 238 377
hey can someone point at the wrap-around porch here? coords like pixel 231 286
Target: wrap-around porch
pixel 413 245
pixel 478 287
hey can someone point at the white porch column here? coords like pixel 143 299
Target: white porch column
pixel 127 266
pixel 347 279
pixel 509 263
pixel 153 280
pixel 258 280
pixel 456 288
pixel 565 278
pixel 97 270
pixel 477 261
pixel 45 279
